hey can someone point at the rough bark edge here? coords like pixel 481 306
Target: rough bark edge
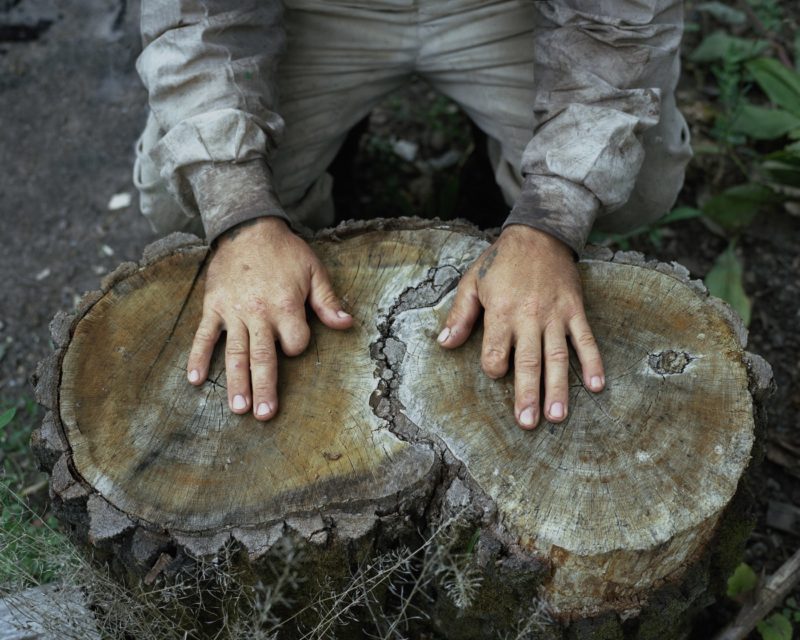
pixel 452 492
pixel 352 228
pixel 682 274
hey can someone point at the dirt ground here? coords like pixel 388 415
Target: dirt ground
pixel 71 106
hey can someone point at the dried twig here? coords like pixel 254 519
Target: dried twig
pixel 780 50
pixel 770 596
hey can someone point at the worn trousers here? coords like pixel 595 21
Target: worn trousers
pixel 344 57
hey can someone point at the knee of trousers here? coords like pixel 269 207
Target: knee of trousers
pixel 667 152
pixel 156 203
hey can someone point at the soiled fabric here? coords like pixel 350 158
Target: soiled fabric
pixel 576 98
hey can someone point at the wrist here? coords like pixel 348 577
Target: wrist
pixel 541 239
pixel 262 228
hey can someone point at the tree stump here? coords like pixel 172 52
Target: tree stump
pixel 619 522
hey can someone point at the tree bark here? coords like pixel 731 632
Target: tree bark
pixel 620 522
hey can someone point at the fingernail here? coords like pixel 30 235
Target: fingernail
pixel 557 410
pixel 444 335
pixel 263 409
pixel 194 375
pixel 239 402
pixel 596 383
pixel 526 417
pixel 343 314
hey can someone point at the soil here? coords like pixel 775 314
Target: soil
pixel 72 105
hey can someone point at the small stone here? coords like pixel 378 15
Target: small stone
pixel 119 201
pixel 106 250
pixel 406 149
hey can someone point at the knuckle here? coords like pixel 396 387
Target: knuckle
pixel 494 362
pixel 586 339
pixel 263 389
pixel 494 354
pixel 557 354
pixel 257 307
pixel 528 361
pixel 503 307
pixel 205 335
pixel 234 347
pixel 262 354
pixel 294 348
pixel 288 306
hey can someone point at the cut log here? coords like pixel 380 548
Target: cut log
pixel 621 518
pixel 47 613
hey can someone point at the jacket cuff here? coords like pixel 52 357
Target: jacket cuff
pixel 230 193
pixel 556 206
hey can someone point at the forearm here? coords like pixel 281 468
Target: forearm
pixel 209 70
pixel 599 81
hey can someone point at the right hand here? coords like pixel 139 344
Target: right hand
pixel 259 277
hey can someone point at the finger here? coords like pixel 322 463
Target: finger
pixel 585 346
pixel 496 345
pixel 463 314
pixel 237 366
pixel 205 339
pixel 324 301
pixel 556 372
pixel 527 377
pixel 263 371
pixel 293 333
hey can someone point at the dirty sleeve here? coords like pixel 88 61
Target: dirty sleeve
pixel 598 71
pixel 209 69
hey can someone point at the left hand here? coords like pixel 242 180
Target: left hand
pixel 529 287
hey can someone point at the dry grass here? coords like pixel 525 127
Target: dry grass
pixel 219 599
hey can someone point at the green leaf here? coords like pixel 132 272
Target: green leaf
pixel 776 627
pixel 720 46
pixel 744 579
pixel 725 281
pixel 760 123
pixel 680 213
pixel 723 12
pixel 787 173
pixel 7 416
pixel 735 208
pixel 782 85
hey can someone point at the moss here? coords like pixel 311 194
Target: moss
pixel 738 521
pixel 665 617
pixel 605 627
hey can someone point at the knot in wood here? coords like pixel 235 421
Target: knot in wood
pixel 669 362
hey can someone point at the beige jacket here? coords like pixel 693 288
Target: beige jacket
pixel 599 65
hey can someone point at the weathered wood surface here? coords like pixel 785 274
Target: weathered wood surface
pixel 47 613
pixel 379 428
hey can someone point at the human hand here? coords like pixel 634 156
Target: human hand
pixel 259 277
pixel 529 287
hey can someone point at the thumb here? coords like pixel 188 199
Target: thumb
pixel 463 314
pixel 324 301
